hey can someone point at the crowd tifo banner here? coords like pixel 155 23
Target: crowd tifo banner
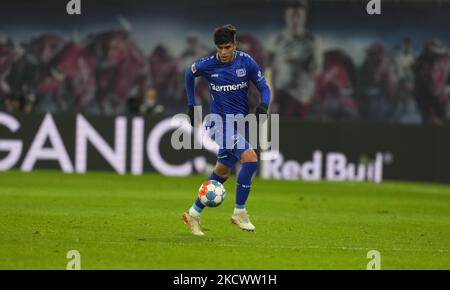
pixel 341 152
pixel 328 61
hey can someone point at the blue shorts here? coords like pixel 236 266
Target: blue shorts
pixel 230 152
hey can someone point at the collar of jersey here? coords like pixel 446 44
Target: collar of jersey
pixel 230 62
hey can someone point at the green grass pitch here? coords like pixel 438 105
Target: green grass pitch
pixel 134 222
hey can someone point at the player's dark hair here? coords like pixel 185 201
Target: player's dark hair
pixel 297 4
pixel 225 34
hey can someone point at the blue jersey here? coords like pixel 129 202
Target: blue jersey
pixel 228 83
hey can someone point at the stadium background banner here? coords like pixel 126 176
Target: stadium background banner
pixel 374 111
pixel 136 145
pixel 119 56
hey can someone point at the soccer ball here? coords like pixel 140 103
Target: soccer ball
pixel 212 193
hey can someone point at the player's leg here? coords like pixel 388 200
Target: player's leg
pixel 220 173
pixel 249 164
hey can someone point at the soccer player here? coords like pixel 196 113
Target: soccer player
pixel 228 72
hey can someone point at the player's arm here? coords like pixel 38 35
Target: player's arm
pixel 258 79
pixel 190 75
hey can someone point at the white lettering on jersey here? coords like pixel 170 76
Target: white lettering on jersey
pixel 227 88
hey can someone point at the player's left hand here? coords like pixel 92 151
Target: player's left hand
pixel 262 109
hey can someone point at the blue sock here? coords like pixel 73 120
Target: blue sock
pixel 244 182
pixel 214 176
pixel 198 205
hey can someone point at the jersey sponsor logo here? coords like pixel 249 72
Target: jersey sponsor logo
pixel 227 88
pixel 241 72
pixel 193 68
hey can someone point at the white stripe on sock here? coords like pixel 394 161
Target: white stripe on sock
pixel 193 212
